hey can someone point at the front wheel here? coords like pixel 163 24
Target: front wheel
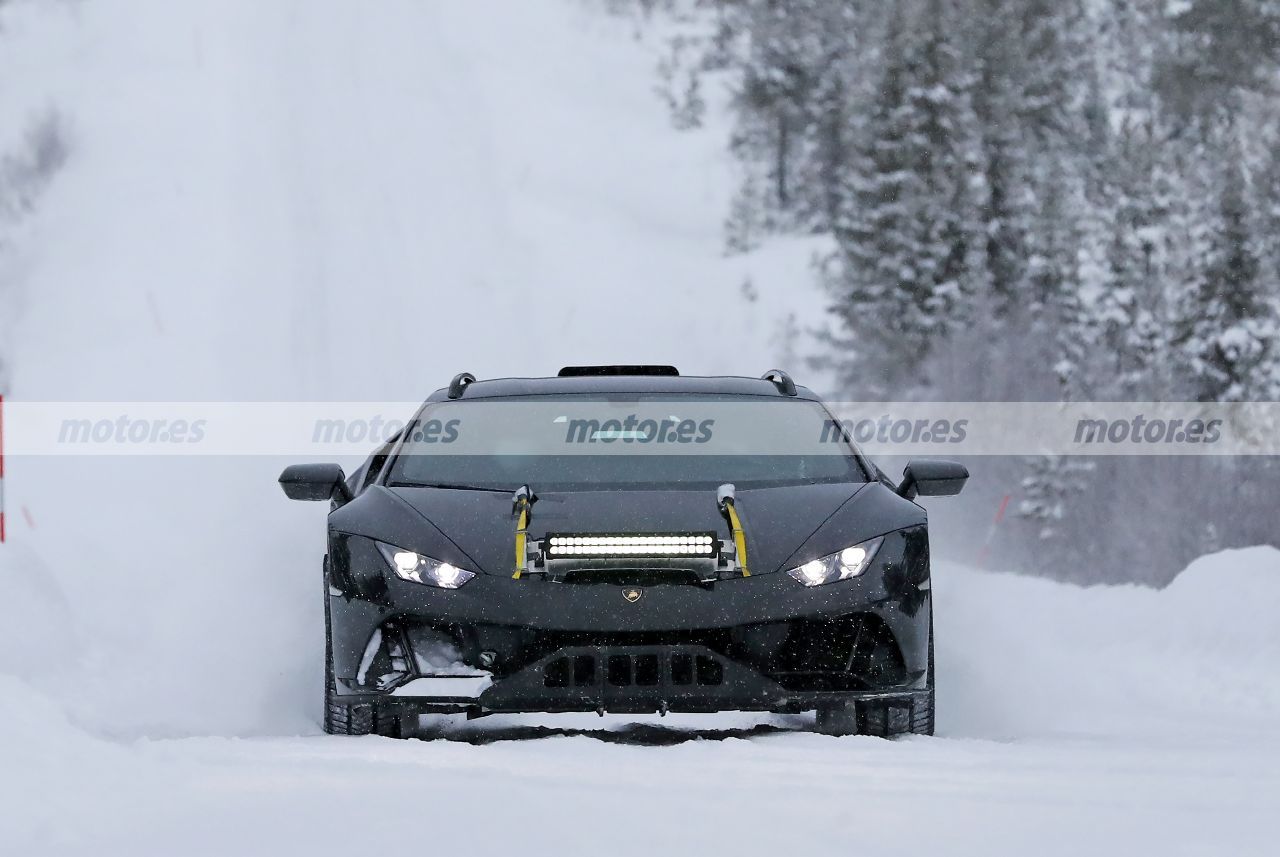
pixel 883 719
pixel 359 718
pixel 922 709
pixel 872 717
pixel 350 718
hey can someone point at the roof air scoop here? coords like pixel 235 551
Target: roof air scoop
pixel 604 371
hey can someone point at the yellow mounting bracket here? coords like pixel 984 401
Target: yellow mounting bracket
pixel 522 503
pixel 725 497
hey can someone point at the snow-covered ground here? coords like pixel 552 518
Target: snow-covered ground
pixel 1102 721
pixel 318 199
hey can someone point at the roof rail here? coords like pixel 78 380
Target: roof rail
pixel 596 371
pixel 781 380
pixel 460 383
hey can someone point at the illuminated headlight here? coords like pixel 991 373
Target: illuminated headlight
pixel 416 568
pixel 850 562
pixel 675 544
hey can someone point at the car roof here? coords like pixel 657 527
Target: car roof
pixel 715 385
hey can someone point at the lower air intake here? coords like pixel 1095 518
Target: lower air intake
pixel 640 670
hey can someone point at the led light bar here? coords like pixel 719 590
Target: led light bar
pixel 559 545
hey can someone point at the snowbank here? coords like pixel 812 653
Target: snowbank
pixel 1021 656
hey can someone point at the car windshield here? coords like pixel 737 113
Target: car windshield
pixel 626 442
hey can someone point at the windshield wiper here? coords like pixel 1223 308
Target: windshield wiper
pixel 456 486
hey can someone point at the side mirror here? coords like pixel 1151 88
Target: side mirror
pixel 315 482
pixel 932 477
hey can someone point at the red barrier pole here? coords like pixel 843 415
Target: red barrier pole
pixel 991 532
pixel 1 469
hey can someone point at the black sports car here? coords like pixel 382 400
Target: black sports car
pixel 624 539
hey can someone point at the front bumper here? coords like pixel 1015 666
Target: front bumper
pixel 763 643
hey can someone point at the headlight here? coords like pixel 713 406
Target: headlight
pixel 416 568
pixel 850 562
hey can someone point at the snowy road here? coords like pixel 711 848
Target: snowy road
pixel 1148 730
pixel 764 794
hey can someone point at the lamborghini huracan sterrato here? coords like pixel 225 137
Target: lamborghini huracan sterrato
pixel 624 539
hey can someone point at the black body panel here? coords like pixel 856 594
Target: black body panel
pixel 785 526
pixel 757 628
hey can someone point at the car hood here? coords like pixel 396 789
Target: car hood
pixel 777 521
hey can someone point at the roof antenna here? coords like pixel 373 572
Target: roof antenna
pixel 781 380
pixel 459 383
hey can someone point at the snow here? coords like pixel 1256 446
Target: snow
pixel 310 199
pixel 461 685
pixel 1102 720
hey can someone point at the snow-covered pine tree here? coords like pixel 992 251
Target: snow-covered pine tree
pixel 1221 49
pixel 1031 97
pixel 745 228
pixel 680 82
pixel 1025 203
pixel 773 85
pixel 1146 256
pixel 1058 337
pixel 1228 328
pixel 907 250
pixel 1009 205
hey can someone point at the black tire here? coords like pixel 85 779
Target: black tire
pixel 878 719
pixel 343 718
pixel 883 719
pixel 922 711
pixel 360 718
pixel 923 707
pixel 838 718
